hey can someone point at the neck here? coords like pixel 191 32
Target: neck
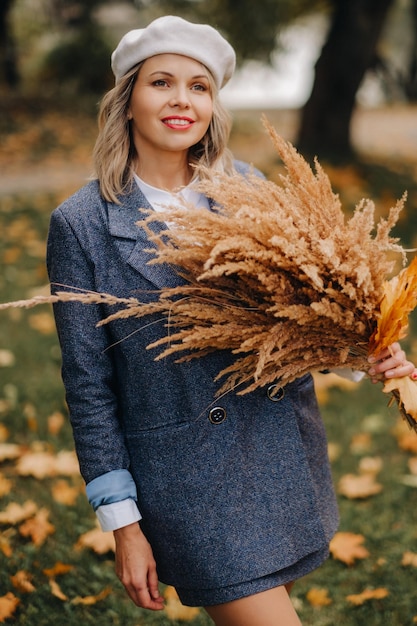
pixel 168 173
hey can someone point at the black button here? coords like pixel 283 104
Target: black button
pixel 217 415
pixel 275 393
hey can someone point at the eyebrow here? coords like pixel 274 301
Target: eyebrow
pixel 199 76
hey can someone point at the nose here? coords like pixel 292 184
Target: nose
pixel 180 98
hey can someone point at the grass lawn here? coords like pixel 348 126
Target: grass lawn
pixel 54 578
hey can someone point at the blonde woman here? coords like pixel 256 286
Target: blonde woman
pixel 229 500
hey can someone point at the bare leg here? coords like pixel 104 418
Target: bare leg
pixel 268 608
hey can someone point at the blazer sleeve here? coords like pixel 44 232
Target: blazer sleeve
pixel 87 368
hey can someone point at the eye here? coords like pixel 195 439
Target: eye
pixel 160 82
pixel 199 87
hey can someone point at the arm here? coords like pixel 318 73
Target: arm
pixel 91 392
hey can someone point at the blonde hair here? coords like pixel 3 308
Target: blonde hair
pixel 114 152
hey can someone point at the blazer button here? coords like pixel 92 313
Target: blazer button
pixel 275 393
pixel 217 415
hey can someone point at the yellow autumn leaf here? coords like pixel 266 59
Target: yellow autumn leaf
pixel 175 610
pixel 22 581
pixel 347 547
pixel 399 299
pixel 409 559
pixel 7 358
pixel 358 486
pixel 37 528
pixel 64 493
pixel 58 568
pixel 407 390
pixel 96 540
pixel 42 322
pixel 406 438
pixel 318 597
pixel 57 591
pixel 8 605
pixel 16 513
pixel 5 485
pixel 90 600
pixel 368 594
pixel 55 422
pixel 9 451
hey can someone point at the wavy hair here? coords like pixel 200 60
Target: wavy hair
pixel 114 152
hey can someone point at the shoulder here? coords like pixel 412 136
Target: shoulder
pixel 246 169
pixel 82 201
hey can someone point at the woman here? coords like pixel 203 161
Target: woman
pixel 230 501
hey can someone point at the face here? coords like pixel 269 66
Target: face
pixel 171 104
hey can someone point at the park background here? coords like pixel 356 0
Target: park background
pixel 336 78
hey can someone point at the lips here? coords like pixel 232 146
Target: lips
pixel 178 123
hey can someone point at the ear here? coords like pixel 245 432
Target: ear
pixel 129 114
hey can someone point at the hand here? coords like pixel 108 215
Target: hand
pixel 136 567
pixel 391 363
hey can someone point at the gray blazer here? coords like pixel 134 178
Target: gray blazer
pixel 229 489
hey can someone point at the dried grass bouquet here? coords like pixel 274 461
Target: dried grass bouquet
pixel 278 275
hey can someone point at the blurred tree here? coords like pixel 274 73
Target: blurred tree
pixel 350 49
pixel 9 74
pixel 79 63
pixel 410 86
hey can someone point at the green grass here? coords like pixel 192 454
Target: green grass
pixel 31 390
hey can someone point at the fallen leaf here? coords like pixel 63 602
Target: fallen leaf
pixel 56 590
pixel 37 528
pixel 368 594
pixel 407 440
pixel 8 605
pixel 22 581
pixel 64 493
pixel 37 464
pixel 370 465
pixel 347 547
pixel 9 451
pixel 4 433
pixel 407 388
pixel 5 546
pixel 412 465
pixel 175 610
pixel 97 540
pixel 409 559
pixel 45 464
pixel 42 322
pixel 361 443
pixel 7 358
pixel 16 513
pixel 57 569
pixel 55 423
pixel 318 597
pixel 5 486
pixel 356 487
pixel 334 451
pixel 66 463
pixel 90 600
pixel 410 480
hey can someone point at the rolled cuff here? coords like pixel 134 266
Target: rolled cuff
pixel 118 514
pixel 111 487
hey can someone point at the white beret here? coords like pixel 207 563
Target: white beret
pixel 174 35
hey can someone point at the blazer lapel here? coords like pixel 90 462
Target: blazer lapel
pixel 125 223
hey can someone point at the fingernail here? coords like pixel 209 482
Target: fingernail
pixel 371 359
pixel 414 375
pixel 371 371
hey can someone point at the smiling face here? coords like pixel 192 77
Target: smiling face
pixel 171 106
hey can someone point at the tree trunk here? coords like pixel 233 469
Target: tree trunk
pixel 8 65
pixel 348 52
